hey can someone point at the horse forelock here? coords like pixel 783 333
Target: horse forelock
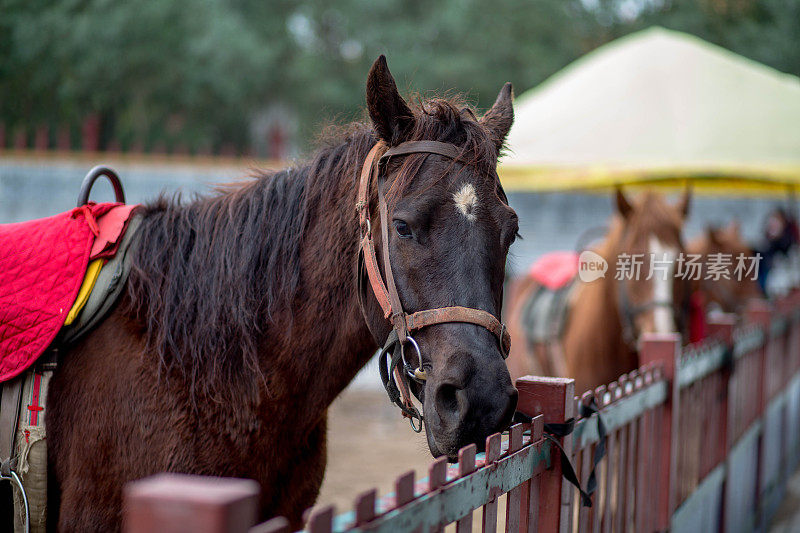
pixel 452 121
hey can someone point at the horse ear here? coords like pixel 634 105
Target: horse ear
pixel 390 114
pixel 623 205
pixel 684 203
pixel 500 117
pixel 734 228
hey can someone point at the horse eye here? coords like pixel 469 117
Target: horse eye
pixel 402 229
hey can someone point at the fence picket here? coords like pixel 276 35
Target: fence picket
pixel 404 488
pixel 321 521
pixel 489 519
pixel 275 525
pixel 602 471
pixel 530 509
pixel 514 498
pixel 466 466
pixel 365 507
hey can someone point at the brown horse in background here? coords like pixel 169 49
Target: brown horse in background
pixel 243 318
pixel 731 292
pixel 605 317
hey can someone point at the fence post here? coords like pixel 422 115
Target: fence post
pixel 554 398
pixel 722 326
pixel 664 349
pixel 176 502
pixel 759 312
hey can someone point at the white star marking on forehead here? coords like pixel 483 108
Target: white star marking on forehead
pixel 466 201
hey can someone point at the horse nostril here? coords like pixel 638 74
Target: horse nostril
pixel 447 401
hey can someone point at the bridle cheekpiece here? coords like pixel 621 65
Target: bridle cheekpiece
pixel 403 324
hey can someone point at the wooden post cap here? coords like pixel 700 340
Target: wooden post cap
pixel 173 503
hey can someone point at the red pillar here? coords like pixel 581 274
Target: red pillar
pixel 90 133
pixel 42 138
pixel 20 138
pixel 63 141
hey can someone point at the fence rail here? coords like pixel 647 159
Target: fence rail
pixel 701 437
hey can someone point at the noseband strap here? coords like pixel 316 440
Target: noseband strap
pixel 468 315
pixel 386 292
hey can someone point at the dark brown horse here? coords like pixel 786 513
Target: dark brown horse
pixel 730 290
pixel 605 317
pixel 242 320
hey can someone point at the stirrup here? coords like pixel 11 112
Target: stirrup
pixel 14 479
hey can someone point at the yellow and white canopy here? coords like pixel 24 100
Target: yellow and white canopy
pixel 658 107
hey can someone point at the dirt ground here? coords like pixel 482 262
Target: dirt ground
pixel 369 445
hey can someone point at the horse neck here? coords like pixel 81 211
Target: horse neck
pixel 324 338
pixel 603 303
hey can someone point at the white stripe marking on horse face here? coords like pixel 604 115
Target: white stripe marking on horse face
pixel 663 317
pixel 466 201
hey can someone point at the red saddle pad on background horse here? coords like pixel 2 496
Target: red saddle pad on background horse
pixel 42 266
pixel 555 270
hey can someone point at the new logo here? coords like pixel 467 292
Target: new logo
pixel 591 266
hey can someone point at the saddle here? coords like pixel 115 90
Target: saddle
pixel 555 270
pixel 59 276
pixel 43 264
pixel 544 314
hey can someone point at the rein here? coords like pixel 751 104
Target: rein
pixel 403 324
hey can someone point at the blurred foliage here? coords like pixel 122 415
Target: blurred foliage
pixel 194 72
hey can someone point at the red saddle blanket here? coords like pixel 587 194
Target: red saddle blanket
pixel 42 266
pixel 555 270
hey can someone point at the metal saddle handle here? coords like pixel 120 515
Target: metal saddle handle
pixel 91 177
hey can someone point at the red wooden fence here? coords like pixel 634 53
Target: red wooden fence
pixel 701 437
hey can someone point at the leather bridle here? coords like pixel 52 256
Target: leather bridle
pixel 403 324
pixel 629 313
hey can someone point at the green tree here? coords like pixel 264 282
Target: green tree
pixel 195 71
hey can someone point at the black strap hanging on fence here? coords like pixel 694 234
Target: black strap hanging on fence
pixel 586 411
pixel 554 432
pixel 568 471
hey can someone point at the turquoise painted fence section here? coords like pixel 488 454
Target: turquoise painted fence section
pixel 461 496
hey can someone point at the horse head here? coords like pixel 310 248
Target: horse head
pixel 448 228
pixel 651 294
pixel 732 288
